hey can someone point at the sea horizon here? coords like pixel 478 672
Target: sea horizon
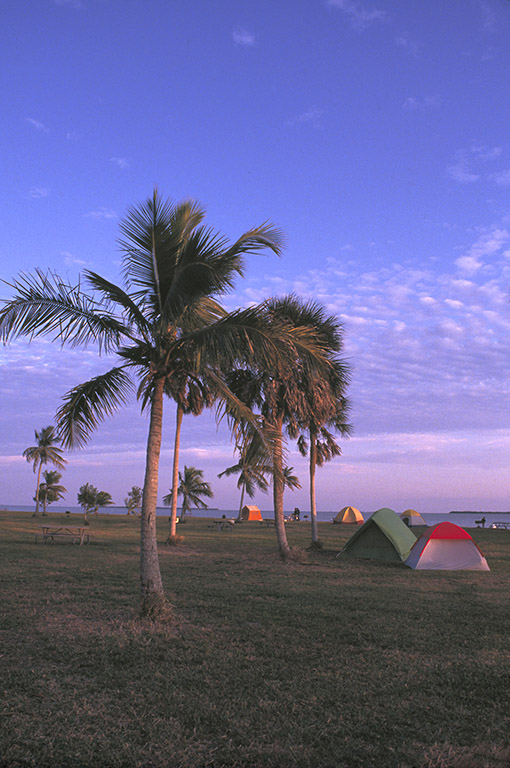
pixel 465 519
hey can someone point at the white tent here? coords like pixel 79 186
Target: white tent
pixel 411 517
pixel 446 547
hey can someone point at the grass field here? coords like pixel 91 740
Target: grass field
pixel 332 663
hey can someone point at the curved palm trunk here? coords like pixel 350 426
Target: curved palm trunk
pixel 313 506
pixel 153 597
pixel 281 533
pixel 36 513
pixel 175 475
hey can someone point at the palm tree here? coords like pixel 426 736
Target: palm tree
pixel 253 466
pixel 44 452
pixel 133 500
pixel 163 318
pixel 90 499
pixel 326 408
pixel 191 487
pixel 50 490
pixel 278 393
pixel 290 480
pixel 192 394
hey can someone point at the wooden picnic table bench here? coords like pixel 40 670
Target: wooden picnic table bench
pixel 267 521
pixel 77 535
pixel 222 525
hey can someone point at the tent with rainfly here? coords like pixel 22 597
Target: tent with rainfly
pixel 411 517
pixel 250 512
pixel 382 537
pixel 349 515
pixel 446 547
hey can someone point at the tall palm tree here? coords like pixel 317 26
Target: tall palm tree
pixel 277 391
pixel 191 394
pixel 45 451
pixel 326 408
pixel 163 317
pixel 50 489
pixel 192 487
pixel 253 466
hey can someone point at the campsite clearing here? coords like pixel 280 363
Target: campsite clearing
pixel 336 662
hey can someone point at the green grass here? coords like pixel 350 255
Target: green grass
pixel 334 662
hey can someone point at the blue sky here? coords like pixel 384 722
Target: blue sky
pixel 375 134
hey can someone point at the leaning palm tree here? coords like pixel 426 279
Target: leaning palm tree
pixel 46 451
pixel 50 489
pixel 277 391
pixel 163 317
pixel 192 487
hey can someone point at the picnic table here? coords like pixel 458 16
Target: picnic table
pixel 50 533
pixel 267 521
pixel 501 525
pixel 222 525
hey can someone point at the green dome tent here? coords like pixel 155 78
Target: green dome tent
pixel 382 537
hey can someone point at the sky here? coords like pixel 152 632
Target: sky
pixel 374 133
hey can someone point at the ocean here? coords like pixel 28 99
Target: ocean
pixel 464 519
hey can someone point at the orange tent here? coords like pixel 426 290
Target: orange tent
pixel 250 512
pixel 349 515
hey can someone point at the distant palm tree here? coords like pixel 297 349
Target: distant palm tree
pixel 163 319
pixel 289 480
pixel 50 489
pixel 46 451
pixel 253 466
pixel 90 499
pixel 133 500
pixel 192 487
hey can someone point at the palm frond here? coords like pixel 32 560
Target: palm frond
pixel 45 305
pixel 88 404
pixel 114 295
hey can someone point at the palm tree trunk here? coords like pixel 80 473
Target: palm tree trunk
pixel 175 476
pixel 153 597
pixel 313 505
pixel 239 515
pixel 36 513
pixel 281 534
pixel 44 513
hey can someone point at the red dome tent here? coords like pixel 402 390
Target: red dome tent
pixel 446 547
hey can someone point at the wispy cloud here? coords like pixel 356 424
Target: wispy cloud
pixel 359 15
pixel 35 193
pixel 460 170
pixel 37 125
pixel 412 104
pixel 502 178
pixel 241 36
pixel 470 164
pixel 409 46
pixel 69 259
pixel 101 213
pixel 312 116
pixel 120 162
